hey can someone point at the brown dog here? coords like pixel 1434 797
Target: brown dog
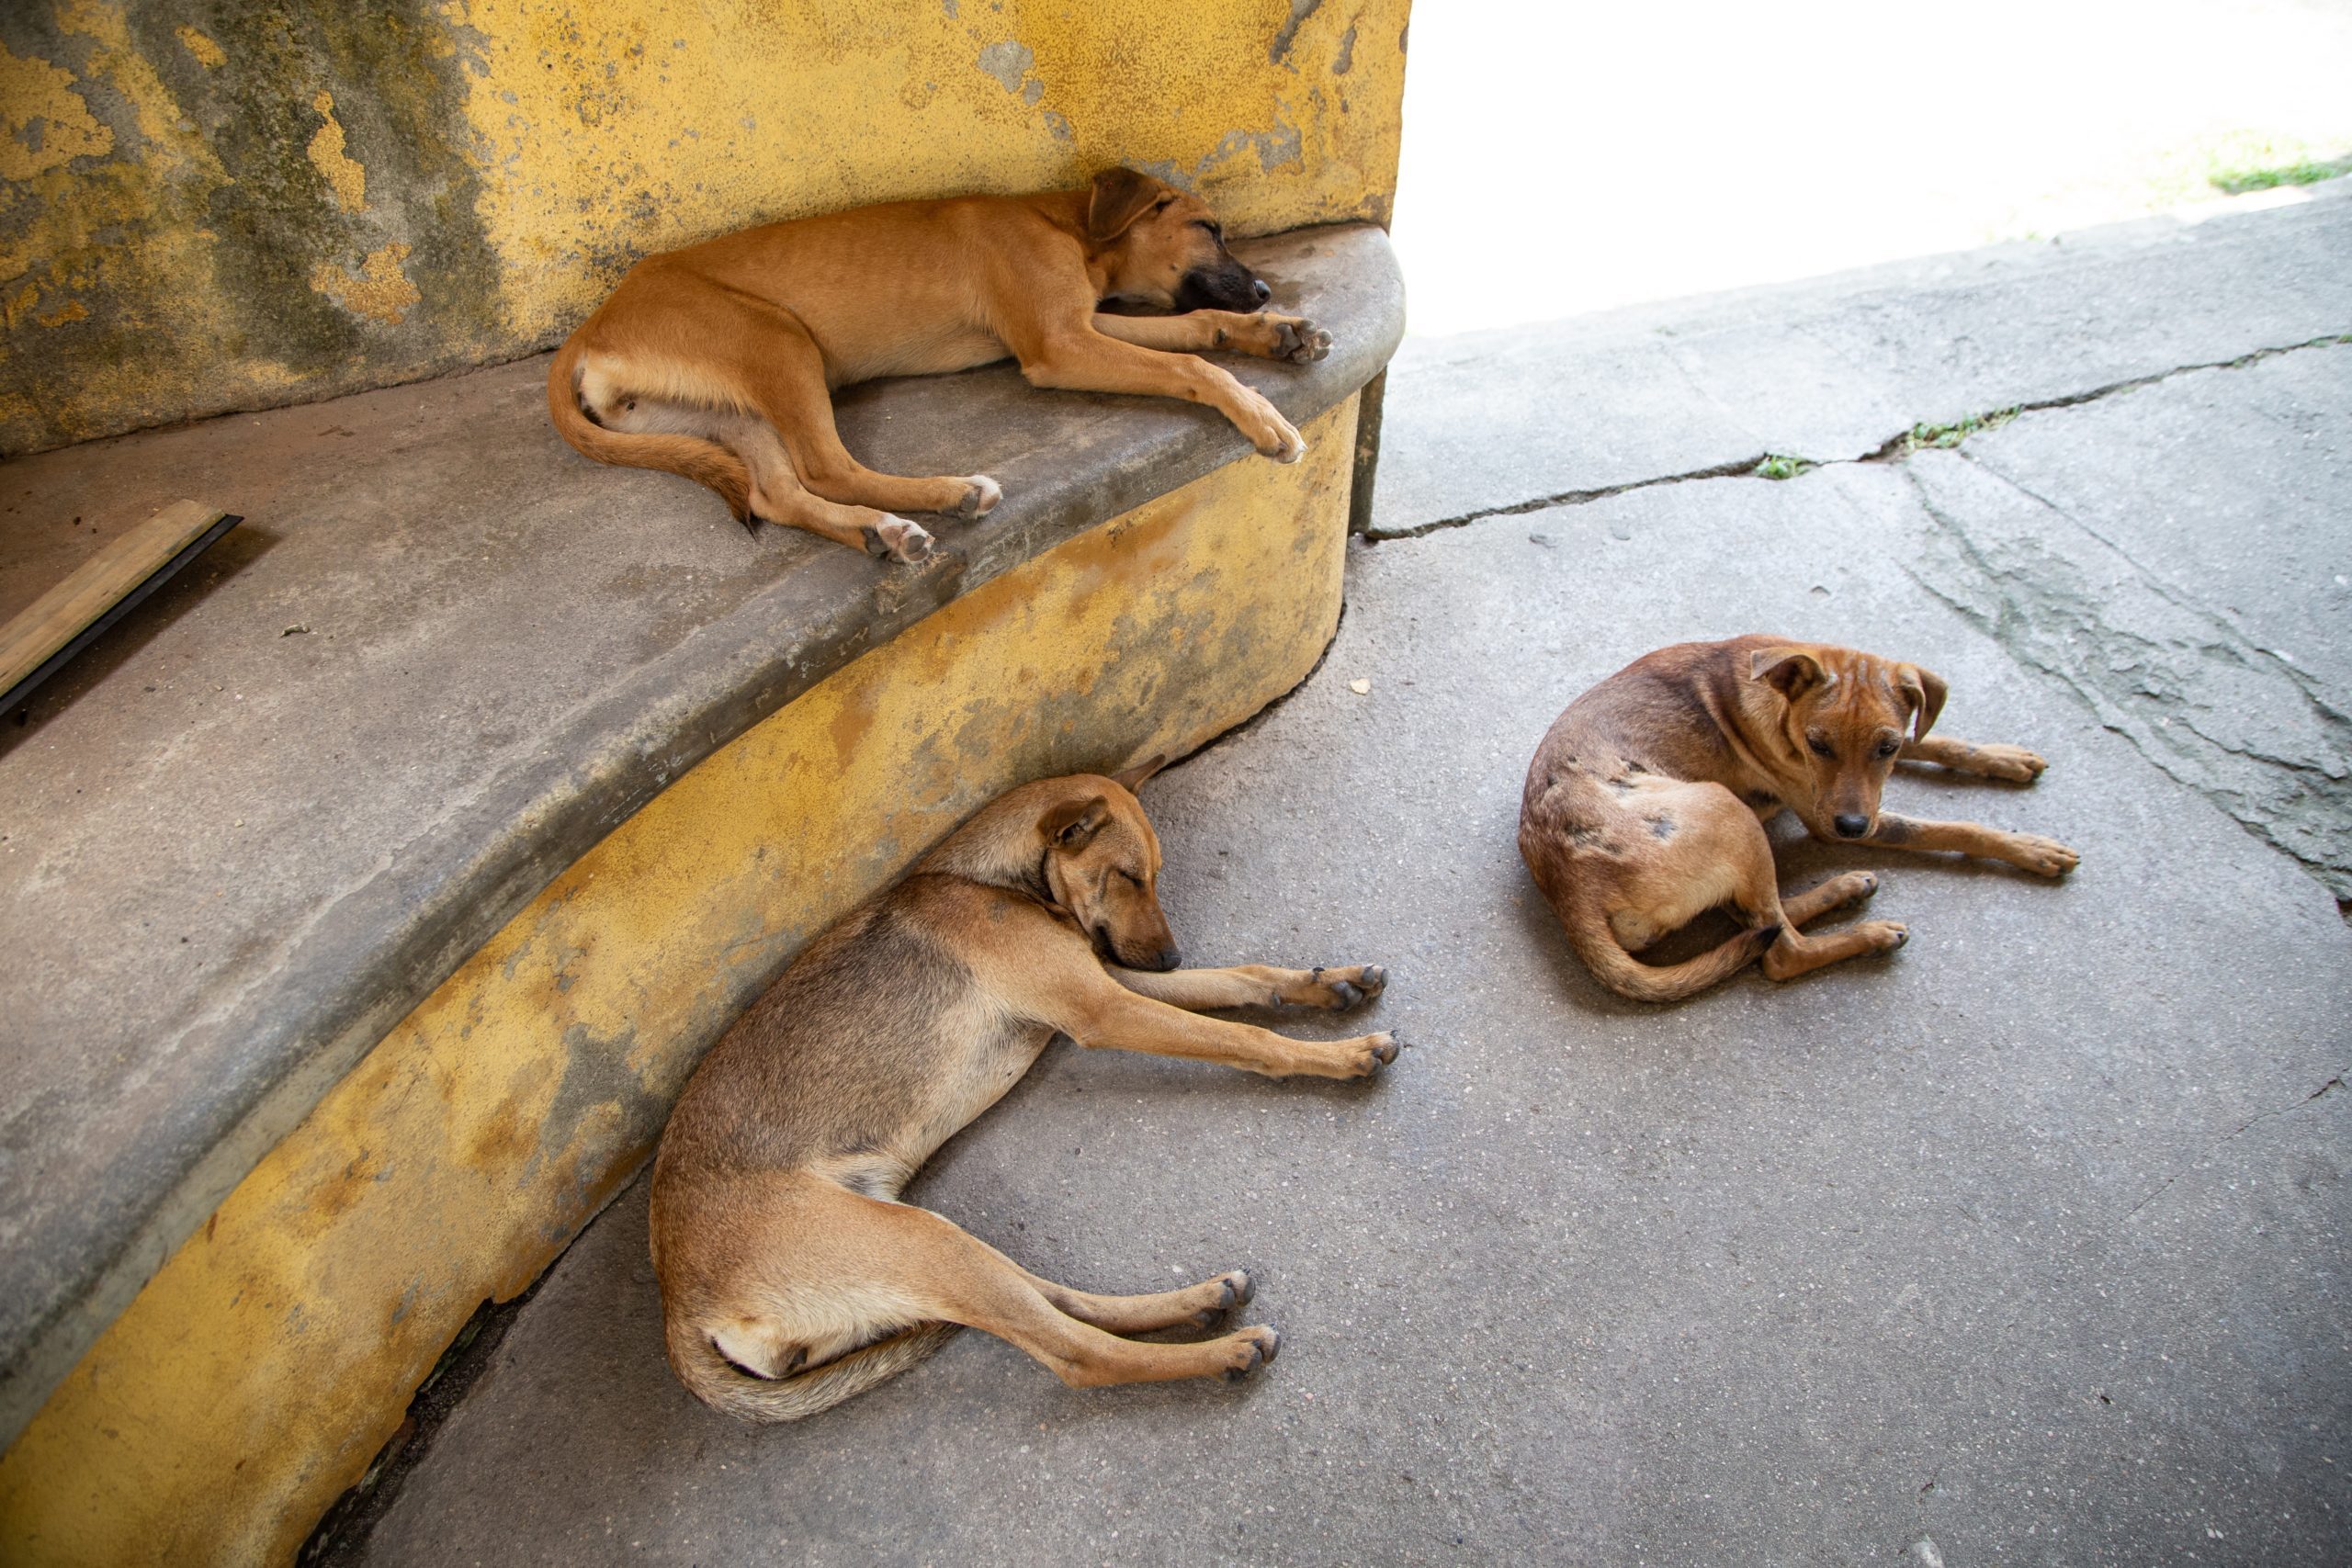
pixel 791 1276
pixel 1647 803
pixel 718 361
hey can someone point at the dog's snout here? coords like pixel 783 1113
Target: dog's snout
pixel 1850 826
pixel 1257 287
pixel 1166 957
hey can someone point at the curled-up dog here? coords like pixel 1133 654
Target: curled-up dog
pixel 720 361
pixel 791 1275
pixel 1645 804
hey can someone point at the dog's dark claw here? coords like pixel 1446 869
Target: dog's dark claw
pixel 1374 980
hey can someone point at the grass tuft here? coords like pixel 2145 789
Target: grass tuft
pixel 1946 436
pixel 1782 466
pixel 2303 172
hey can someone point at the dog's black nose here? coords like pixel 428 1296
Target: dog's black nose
pixel 1166 959
pixel 1261 291
pixel 1850 826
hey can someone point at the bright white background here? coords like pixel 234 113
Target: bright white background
pixel 1566 157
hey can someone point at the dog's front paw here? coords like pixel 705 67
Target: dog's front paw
pixel 895 538
pixel 1249 1350
pixel 1368 1053
pixel 1298 339
pixel 981 499
pixel 2013 763
pixel 1339 988
pixel 2034 853
pixel 1268 431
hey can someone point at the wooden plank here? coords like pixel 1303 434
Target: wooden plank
pixel 124 571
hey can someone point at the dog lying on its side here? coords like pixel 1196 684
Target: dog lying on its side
pixel 791 1276
pixel 718 362
pixel 1646 802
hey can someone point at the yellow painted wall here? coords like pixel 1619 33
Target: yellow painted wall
pixel 259 1373
pixel 207 206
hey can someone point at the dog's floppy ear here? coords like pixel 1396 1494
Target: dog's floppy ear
pixel 1791 672
pixel 1073 824
pixel 1132 779
pixel 1121 196
pixel 1924 690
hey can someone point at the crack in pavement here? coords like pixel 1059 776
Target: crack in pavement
pixel 1741 467
pixel 1895 448
pixel 2167 1185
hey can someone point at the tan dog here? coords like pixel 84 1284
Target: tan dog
pixel 1647 803
pixel 791 1276
pixel 718 361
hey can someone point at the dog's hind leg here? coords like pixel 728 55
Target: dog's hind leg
pixel 1848 888
pixel 1195 1306
pixel 957 1277
pixel 788 385
pixel 776 495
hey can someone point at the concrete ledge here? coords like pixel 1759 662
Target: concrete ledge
pixel 444 658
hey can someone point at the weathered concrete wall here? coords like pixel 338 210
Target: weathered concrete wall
pixel 261 1370
pixel 208 205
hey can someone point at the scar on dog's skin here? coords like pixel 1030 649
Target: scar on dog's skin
pixel 791 1276
pixel 718 362
pixel 1645 804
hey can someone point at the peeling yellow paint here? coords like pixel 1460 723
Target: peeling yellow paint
pixel 260 1371
pixel 344 175
pixel 379 290
pixel 207 53
pixel 44 123
pixel 71 311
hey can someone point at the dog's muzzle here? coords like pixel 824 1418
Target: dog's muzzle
pixel 1228 285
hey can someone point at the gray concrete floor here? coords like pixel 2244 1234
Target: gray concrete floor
pixel 2023 1244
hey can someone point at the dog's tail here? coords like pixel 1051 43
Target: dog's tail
pixel 1629 977
pixel 704 462
pixel 724 1386
pixel 1588 934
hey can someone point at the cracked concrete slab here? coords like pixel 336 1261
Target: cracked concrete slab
pixel 2028 1242
pixel 1833 369
pixel 2175 556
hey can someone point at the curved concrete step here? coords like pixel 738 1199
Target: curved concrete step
pixel 443 658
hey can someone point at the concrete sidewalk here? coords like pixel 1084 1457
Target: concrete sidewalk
pixel 2024 1245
